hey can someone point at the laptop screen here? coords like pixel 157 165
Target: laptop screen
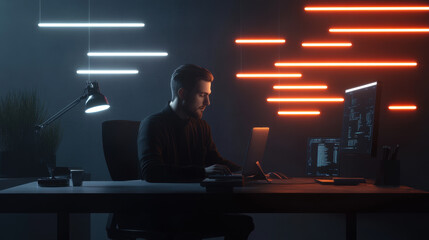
pixel 322 156
pixel 255 150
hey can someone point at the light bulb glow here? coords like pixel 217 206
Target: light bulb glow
pixel 367 8
pixel 91 25
pixel 379 30
pixel 402 107
pixel 127 54
pixel 293 87
pixel 305 99
pixel 260 41
pixel 97 108
pixel 269 75
pixel 107 71
pixel 298 112
pixel 319 44
pixel 345 64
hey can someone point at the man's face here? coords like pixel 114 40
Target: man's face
pixel 196 101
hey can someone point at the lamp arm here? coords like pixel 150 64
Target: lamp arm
pixel 60 113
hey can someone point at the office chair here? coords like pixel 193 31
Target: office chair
pixel 120 149
pixel 120 152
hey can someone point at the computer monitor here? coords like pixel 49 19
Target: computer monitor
pixel 323 156
pixel 358 143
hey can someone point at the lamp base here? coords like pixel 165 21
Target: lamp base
pixel 53 182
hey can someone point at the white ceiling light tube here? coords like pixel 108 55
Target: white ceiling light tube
pixel 127 54
pixel 360 87
pixel 107 72
pixel 92 25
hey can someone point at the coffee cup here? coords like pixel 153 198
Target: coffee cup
pixel 77 176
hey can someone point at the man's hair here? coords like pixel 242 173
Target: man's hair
pixel 187 76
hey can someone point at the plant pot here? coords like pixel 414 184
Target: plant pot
pixel 15 164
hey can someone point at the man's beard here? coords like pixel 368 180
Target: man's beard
pixel 197 113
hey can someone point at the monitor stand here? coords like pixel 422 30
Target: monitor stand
pixel 356 166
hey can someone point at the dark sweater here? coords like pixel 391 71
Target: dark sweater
pixel 171 149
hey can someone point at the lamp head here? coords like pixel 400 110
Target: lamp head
pixel 96 101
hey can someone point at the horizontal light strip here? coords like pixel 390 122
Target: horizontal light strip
pixel 261 128
pixel 402 107
pixel 298 112
pixel 379 30
pixel 269 75
pixel 345 64
pixel 261 41
pixel 361 87
pixel 107 72
pixel 362 8
pixel 348 44
pixel 96 25
pixel 305 99
pixel 291 87
pixel 127 54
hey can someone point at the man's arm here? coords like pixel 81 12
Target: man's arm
pixel 213 156
pixel 151 142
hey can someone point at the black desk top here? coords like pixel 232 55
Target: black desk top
pixel 295 195
pixel 294 185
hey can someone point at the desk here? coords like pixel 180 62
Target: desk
pixel 299 195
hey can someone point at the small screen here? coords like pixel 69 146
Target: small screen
pixel 359 125
pixel 322 156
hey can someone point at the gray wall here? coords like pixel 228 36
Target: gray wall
pixel 203 33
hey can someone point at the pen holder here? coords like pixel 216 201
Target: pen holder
pixel 388 173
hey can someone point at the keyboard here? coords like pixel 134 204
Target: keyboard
pixel 226 177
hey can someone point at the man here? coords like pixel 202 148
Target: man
pixel 176 145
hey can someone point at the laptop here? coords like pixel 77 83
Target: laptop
pixel 255 153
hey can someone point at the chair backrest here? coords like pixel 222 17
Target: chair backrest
pixel 120 149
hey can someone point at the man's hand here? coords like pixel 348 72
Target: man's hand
pixel 217 169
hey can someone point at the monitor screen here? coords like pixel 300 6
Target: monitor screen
pixel 322 156
pixel 359 131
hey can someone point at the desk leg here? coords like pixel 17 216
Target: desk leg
pixel 63 226
pixel 351 226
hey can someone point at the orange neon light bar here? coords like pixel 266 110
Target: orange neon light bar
pixel 402 107
pixel 261 128
pixel 379 30
pixel 298 112
pixel 294 87
pixel 305 99
pixel 269 75
pixel 364 8
pixel 345 64
pixel 260 41
pixel 308 44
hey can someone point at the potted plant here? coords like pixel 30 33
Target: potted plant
pixel 23 152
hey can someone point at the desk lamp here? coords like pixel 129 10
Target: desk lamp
pixel 95 102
